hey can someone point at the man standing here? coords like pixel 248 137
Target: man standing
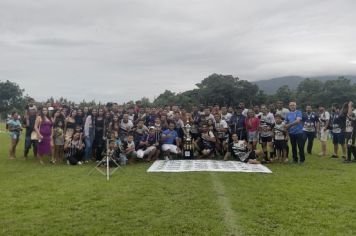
pixel 31 138
pixel 265 130
pixel 295 130
pixel 337 131
pixel 324 119
pixel 310 125
pixel 281 110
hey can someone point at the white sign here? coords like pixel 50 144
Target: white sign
pixel 206 165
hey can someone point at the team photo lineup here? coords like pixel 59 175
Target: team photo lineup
pixel 58 133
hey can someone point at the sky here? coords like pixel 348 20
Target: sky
pixel 121 50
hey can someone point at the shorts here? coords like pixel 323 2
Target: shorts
pixel 252 136
pixel 339 138
pixel 280 145
pixel 324 133
pixel 14 135
pixel 141 153
pixel 170 147
pixel 251 156
pixel 265 139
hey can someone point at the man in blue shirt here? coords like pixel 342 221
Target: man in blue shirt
pixel 295 131
pixel 170 141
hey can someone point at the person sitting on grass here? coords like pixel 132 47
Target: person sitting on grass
pixel 205 144
pixel 170 141
pixel 14 126
pixel 127 150
pixel 238 149
pixel 74 149
pixel 149 145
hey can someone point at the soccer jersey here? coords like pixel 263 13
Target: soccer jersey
pixel 279 131
pixel 239 150
pixel 309 122
pixel 266 124
pixel 323 119
pixel 350 123
pixel 221 125
pixel 336 122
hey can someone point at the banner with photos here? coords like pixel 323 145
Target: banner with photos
pixel 206 165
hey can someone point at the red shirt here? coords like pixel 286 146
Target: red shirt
pixel 252 124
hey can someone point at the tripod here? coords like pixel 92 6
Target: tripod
pixel 107 159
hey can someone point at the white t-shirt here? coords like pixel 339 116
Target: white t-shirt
pixel 323 118
pixel 226 117
pixel 283 112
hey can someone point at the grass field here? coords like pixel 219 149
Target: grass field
pixel 317 198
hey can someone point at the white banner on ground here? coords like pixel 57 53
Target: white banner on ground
pixel 206 165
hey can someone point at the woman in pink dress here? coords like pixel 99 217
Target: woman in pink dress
pixel 43 127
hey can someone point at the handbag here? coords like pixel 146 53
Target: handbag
pixel 34 136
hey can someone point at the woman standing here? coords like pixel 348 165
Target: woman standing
pixel 89 133
pixel 70 124
pixel 14 126
pixel 58 137
pixel 98 144
pixel 252 123
pixel 43 127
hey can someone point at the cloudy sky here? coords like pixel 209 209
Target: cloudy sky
pixel 120 50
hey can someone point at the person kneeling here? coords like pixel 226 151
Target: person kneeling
pixel 74 150
pixel 169 137
pixel 238 149
pixel 149 145
pixel 127 150
pixel 206 143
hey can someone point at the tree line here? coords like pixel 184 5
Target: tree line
pixel 224 90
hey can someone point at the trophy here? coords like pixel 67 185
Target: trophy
pixel 188 152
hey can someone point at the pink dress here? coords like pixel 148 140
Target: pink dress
pixel 44 146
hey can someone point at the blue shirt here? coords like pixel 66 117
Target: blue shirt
pixel 169 140
pixel 290 118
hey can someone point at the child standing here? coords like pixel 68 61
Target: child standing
pixel 280 138
pixel 58 140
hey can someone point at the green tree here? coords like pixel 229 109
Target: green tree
pixel 11 98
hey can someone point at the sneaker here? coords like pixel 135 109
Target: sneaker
pixel 79 163
pixel 334 156
pixel 68 162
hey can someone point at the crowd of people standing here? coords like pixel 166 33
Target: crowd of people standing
pixel 80 134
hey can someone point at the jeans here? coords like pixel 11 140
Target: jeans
pixel 88 148
pixel 310 137
pixel 297 141
pixel 28 144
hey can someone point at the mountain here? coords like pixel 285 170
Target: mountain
pixel 270 86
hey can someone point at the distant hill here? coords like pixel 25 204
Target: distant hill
pixel 270 86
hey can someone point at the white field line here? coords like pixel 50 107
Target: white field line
pixel 230 217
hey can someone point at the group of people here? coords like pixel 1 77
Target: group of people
pixel 78 135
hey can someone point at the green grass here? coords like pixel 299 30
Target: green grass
pixel 318 198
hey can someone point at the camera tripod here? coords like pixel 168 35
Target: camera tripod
pixel 107 159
